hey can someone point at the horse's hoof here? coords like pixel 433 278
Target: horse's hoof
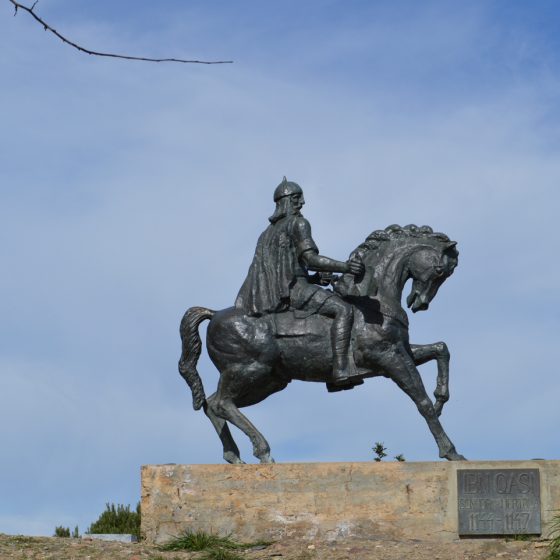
pixel 266 460
pixel 455 457
pixel 233 459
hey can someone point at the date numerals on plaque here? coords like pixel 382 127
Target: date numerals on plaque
pixel 489 523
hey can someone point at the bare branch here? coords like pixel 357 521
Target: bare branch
pixel 47 27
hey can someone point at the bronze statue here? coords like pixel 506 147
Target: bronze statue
pixel 284 326
pixel 278 279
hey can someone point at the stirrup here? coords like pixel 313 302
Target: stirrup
pixel 344 384
pixel 332 388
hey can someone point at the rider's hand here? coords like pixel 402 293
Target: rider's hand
pixel 326 278
pixel 355 266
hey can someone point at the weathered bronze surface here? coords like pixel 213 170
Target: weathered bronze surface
pixel 499 501
pixel 288 324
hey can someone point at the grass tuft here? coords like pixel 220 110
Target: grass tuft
pixel 195 542
pixel 215 547
pixel 521 537
pixel 221 554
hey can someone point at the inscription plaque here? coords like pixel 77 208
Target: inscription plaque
pixel 499 501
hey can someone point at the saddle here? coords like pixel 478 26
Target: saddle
pixel 289 325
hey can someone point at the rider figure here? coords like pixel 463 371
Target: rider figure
pixel 278 278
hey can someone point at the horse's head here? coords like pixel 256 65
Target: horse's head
pixel 429 267
pixel 394 255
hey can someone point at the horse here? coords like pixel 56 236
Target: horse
pixel 258 356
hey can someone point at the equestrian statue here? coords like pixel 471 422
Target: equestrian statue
pixel 340 329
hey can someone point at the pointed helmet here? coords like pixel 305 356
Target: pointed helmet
pixel 286 188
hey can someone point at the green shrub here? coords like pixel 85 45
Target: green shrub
pixel 554 549
pixel 117 520
pixel 380 451
pixel 62 532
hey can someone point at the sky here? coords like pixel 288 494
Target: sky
pixel 130 191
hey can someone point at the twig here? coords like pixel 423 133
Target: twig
pixel 47 27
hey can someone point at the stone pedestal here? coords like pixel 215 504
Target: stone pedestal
pixel 388 500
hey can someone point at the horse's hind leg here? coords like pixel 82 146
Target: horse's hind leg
pixel 244 386
pixel 261 449
pixel 231 451
pixel 404 373
pixel 438 351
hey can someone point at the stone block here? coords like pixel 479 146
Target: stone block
pixel 387 500
pixel 112 537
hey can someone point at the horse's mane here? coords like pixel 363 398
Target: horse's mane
pixel 382 243
pixel 377 239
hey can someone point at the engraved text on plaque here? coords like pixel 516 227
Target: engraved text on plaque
pixel 499 501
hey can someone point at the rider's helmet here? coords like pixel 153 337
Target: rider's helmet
pixel 286 188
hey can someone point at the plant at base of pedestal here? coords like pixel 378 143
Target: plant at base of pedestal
pixel 554 550
pixel 214 547
pixel 117 520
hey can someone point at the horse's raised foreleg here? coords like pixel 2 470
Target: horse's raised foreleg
pixel 422 353
pixel 231 451
pixel 402 370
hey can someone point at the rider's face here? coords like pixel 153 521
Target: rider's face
pixel 297 201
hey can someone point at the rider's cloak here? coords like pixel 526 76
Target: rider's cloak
pixel 275 266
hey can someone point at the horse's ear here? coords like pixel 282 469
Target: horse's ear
pixel 451 254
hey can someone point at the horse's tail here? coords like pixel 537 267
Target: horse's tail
pixel 192 346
